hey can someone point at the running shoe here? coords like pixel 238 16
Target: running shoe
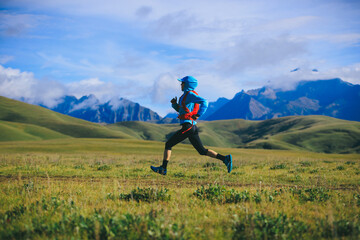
pixel 228 162
pixel 159 170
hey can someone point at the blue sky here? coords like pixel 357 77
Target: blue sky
pixel 137 49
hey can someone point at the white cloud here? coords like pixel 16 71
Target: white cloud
pixel 100 89
pixel 22 85
pixel 289 80
pixel 165 88
pixel 246 54
pixel 92 102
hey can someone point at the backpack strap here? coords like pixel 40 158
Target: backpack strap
pixel 183 105
pixel 188 115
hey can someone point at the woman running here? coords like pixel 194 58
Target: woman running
pixel 190 107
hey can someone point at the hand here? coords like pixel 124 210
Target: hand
pixel 174 100
pixel 195 117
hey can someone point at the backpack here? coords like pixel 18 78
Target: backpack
pixel 188 115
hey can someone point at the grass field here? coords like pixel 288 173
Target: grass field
pixel 104 189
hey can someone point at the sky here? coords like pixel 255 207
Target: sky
pixel 137 49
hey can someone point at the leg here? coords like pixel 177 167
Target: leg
pixel 196 142
pixel 175 139
pixel 167 154
pixel 211 153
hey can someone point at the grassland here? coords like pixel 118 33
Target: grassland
pixel 104 189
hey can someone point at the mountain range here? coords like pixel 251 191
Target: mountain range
pixel 116 110
pixel 333 97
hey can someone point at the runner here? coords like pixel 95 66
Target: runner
pixel 190 107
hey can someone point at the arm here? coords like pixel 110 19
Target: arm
pixel 176 107
pixel 174 104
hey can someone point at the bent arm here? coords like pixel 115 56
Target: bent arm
pixel 175 106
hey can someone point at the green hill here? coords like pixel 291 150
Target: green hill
pixel 310 133
pixel 11 131
pixel 22 121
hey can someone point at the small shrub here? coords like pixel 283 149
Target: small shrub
pixel 279 166
pixel 146 195
pixel 257 197
pixel 214 193
pixel 339 228
pixel 305 164
pixel 14 213
pixel 211 167
pixel 197 176
pixel 79 167
pixel 312 194
pixel 104 168
pixel 350 163
pixel 219 194
pixel 340 168
pixel 314 171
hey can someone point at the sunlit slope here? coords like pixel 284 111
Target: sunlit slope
pixel 314 133
pixel 311 133
pixel 18 112
pixel 10 131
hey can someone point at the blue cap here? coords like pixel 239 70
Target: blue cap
pixel 190 82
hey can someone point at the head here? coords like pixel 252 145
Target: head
pixel 188 83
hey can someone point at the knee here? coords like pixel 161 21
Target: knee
pixel 203 152
pixel 168 146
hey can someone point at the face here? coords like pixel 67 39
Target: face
pixel 182 86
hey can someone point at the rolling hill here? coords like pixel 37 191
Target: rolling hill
pixel 21 121
pixel 309 133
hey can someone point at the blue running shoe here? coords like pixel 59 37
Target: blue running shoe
pixel 159 170
pixel 228 162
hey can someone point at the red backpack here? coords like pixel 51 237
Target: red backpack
pixel 188 115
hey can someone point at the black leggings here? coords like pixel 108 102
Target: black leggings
pixel 192 134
